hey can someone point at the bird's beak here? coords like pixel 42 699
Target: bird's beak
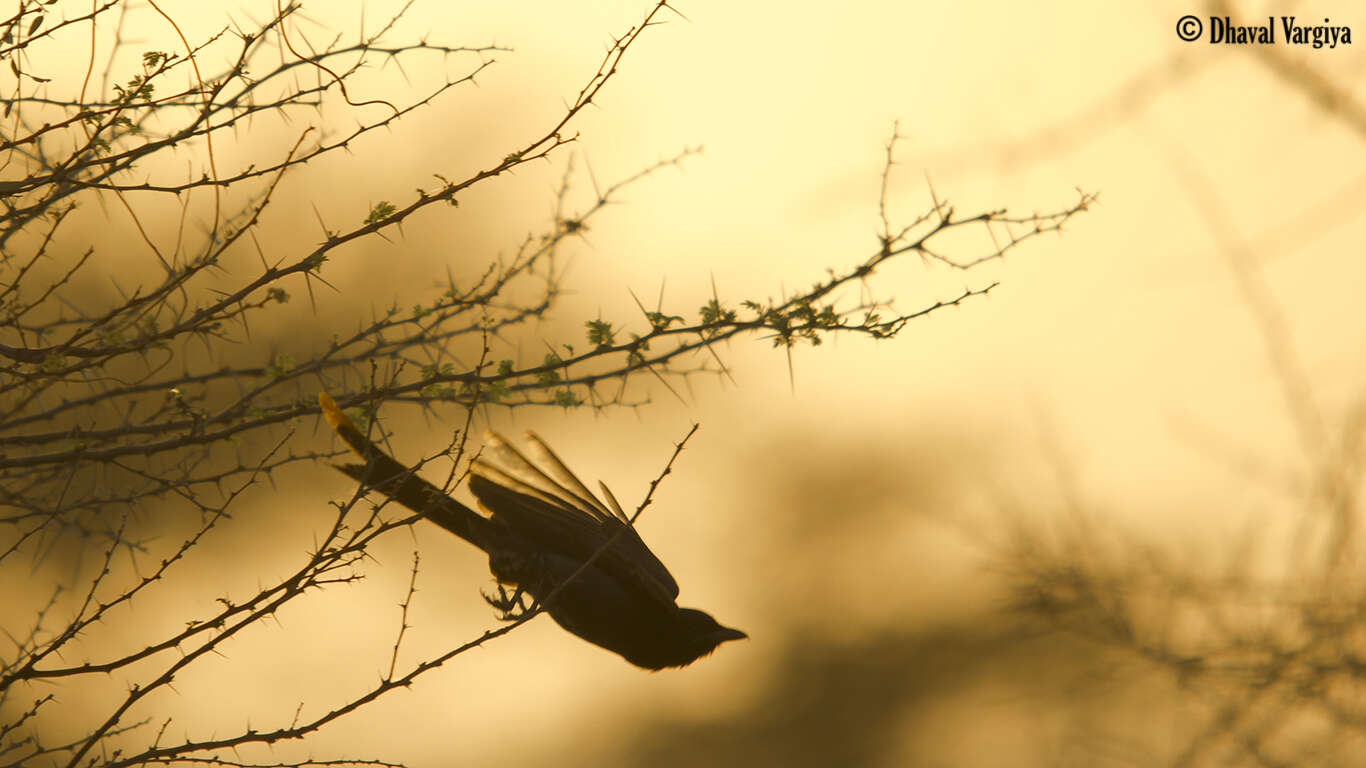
pixel 726 633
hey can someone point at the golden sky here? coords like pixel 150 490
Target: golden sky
pixel 840 508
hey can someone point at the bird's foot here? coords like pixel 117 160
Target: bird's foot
pixel 513 607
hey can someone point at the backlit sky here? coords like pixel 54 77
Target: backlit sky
pixel 1124 354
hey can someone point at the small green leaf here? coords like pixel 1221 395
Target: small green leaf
pixel 382 210
pixel 600 333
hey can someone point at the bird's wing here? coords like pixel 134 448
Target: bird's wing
pixel 612 501
pixel 556 483
pixel 565 516
pixel 556 470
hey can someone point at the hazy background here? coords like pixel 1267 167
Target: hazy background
pixel 849 514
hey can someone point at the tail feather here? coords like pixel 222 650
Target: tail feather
pixel 384 474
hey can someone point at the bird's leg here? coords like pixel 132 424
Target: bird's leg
pixel 513 607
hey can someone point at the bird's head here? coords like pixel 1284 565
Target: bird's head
pixel 699 634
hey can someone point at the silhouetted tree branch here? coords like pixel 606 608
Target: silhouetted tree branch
pixel 130 415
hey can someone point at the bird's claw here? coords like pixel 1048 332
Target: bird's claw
pixel 513 607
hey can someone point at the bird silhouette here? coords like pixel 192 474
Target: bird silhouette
pixel 549 537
